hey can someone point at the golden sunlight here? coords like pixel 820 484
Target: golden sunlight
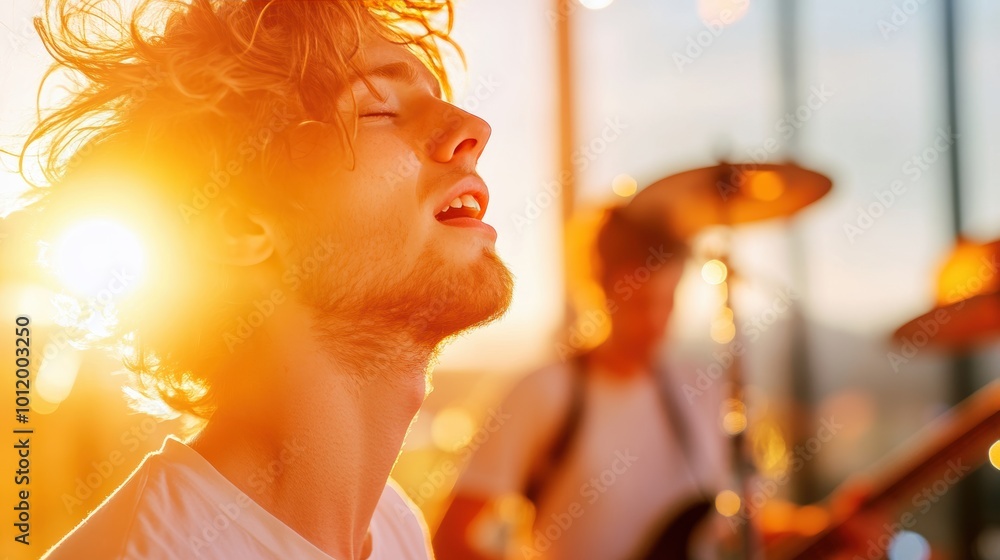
pixel 98 258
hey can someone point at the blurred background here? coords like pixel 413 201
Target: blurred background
pixel 590 101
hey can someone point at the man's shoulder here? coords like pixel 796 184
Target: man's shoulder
pixel 399 526
pixel 166 510
pixel 105 531
pixel 396 508
pixel 176 506
pixel 396 500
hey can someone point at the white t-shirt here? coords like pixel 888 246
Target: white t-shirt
pixel 176 506
pixel 624 472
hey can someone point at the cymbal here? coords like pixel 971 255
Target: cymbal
pixel 967 323
pixel 967 310
pixel 727 194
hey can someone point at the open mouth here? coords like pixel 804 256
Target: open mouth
pixel 464 206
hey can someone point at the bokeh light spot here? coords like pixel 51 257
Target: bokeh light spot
pixel 595 4
pixel 907 545
pixel 714 272
pixel 452 428
pixel 734 422
pixel 727 503
pixel 624 185
pixel 765 185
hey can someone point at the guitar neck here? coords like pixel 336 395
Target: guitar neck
pixel 952 447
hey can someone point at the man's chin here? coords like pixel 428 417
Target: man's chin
pixel 473 296
pixel 498 289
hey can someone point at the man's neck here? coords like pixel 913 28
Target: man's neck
pixel 310 429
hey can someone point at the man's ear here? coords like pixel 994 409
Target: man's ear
pixel 239 236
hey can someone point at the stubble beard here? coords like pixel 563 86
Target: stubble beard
pixel 401 322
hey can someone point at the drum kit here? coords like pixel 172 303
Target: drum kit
pixel 734 194
pixel 723 196
pixel 967 311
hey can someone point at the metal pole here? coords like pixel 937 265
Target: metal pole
pixel 968 519
pixel 566 109
pixel 805 487
pixel 951 101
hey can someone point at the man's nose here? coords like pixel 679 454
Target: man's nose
pixel 459 135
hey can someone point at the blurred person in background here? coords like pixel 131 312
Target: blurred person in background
pixel 303 175
pixel 615 461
